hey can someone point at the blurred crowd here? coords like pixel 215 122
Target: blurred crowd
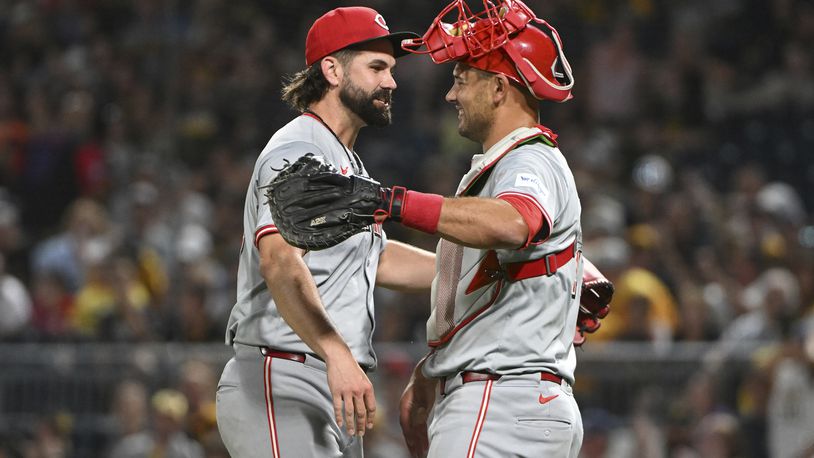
pixel 171 415
pixel 129 129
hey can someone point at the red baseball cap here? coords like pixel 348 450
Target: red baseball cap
pixel 342 27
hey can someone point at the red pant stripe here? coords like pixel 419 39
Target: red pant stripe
pixel 275 446
pixel 484 406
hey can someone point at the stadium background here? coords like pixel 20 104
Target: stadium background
pixel 128 131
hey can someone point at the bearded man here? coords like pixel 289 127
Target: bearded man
pixel 303 322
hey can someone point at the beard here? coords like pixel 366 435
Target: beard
pixel 361 104
pixel 476 122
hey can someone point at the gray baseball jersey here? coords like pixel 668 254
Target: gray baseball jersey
pixel 512 327
pixel 269 405
pixel 482 321
pixel 345 274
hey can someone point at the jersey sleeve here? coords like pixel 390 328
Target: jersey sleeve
pixel 268 167
pixel 530 212
pixel 525 178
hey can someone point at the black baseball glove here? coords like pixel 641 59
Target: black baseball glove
pixel 315 207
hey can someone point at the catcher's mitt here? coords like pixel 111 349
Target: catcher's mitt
pixel 594 302
pixel 315 207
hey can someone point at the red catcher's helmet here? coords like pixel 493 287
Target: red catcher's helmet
pixel 499 40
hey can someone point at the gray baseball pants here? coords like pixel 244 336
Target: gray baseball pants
pixel 276 408
pixel 515 416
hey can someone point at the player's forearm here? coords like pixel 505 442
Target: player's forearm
pixel 298 302
pixel 418 371
pixel 405 268
pixel 475 222
pixel 482 223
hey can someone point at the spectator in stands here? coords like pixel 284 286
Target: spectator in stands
pixel 113 303
pixel 15 304
pixel 753 400
pixel 717 436
pixel 14 131
pixel 641 294
pixel 51 438
pixel 198 382
pixel 614 99
pixel 697 400
pixel 148 238
pixel 202 289
pixel 772 302
pixel 791 402
pixel 129 411
pixel 698 319
pixel 52 305
pixel 88 234
pixel 192 321
pixel 12 240
pixel 606 436
pixel 165 437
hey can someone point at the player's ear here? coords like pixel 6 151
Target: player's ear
pixel 331 70
pixel 499 88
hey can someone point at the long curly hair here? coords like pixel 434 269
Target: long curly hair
pixel 308 86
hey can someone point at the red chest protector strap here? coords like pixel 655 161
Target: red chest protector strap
pixel 490 270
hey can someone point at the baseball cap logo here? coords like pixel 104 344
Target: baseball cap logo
pixel 380 20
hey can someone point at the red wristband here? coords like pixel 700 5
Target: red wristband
pixel 421 211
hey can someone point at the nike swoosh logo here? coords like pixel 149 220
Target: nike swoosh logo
pixel 547 399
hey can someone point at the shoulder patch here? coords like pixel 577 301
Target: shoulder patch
pixel 527 180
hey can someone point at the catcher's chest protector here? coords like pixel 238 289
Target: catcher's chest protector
pixel 522 325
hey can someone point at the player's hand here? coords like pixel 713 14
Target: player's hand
pixel 414 409
pixel 352 393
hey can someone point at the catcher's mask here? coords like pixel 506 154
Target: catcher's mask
pixel 500 40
